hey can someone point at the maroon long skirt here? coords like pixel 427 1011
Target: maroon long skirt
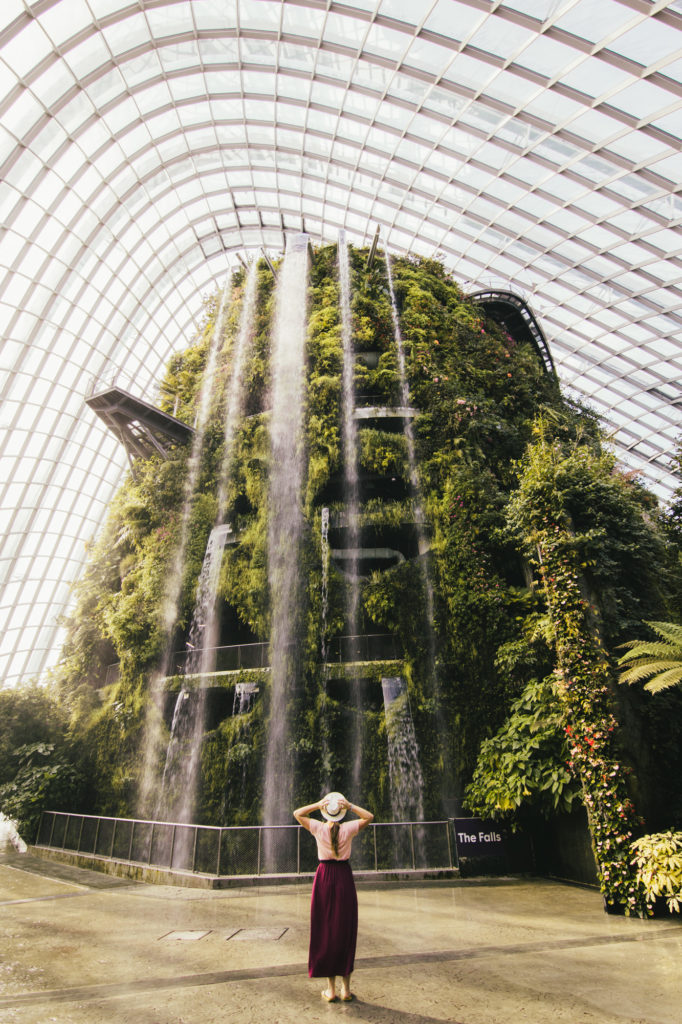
pixel 333 920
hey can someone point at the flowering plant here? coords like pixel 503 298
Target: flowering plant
pixel 584 678
pixel 658 858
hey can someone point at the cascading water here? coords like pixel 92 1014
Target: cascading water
pixel 351 500
pixel 202 639
pixel 324 543
pixel 420 520
pixel 154 723
pixel 324 737
pixel 406 779
pixel 234 405
pixel 285 529
pixel 244 696
pixel 181 773
pixel 422 539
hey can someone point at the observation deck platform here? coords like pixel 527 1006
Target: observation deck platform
pixel 141 427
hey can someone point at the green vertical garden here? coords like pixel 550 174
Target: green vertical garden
pixel 541 558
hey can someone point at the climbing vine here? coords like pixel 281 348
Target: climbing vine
pixel 584 680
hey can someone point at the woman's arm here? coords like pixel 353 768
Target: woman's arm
pixel 364 816
pixel 302 814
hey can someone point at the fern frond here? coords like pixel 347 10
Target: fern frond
pixel 644 669
pixel 650 649
pixel 670 631
pixel 664 681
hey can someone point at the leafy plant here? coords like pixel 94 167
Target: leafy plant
pixel 526 761
pixel 658 858
pixel 659 661
pixel 45 779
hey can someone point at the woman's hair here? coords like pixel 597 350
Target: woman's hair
pixel 334 830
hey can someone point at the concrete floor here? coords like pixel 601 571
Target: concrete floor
pixel 83 948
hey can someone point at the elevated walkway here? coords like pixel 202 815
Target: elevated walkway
pixel 141 427
pixel 513 313
pixel 389 418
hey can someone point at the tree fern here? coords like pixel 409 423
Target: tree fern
pixel 659 661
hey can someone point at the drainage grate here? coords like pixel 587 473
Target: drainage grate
pixel 259 934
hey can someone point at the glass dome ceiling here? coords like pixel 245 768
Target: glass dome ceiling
pixel 145 146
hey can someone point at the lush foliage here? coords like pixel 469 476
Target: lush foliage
pixel 39 763
pixel 543 511
pixel 508 680
pixel 525 763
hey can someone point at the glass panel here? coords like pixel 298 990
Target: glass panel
pixel 501 36
pixel 60 24
pixel 429 56
pixel 643 100
pixel 455 20
pixel 28 47
pixel 647 42
pixel 547 56
pixel 345 30
pixel 88 55
pixel 386 42
pixel 124 35
pixel 214 14
pixel 593 22
pixel 170 19
pixel 259 15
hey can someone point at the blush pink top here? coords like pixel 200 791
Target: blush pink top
pixel 347 829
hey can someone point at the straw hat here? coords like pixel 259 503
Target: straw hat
pixel 333 811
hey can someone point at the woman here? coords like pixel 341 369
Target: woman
pixel 334 902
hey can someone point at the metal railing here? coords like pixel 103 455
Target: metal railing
pixel 226 659
pixel 248 850
pixel 364 647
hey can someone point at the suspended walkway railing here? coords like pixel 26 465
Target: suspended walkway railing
pixel 240 851
pixel 365 647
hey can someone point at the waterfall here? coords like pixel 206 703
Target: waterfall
pixel 234 405
pixel 181 772
pixel 154 724
pixel 406 779
pixel 351 501
pixel 183 758
pixel 324 725
pixel 324 543
pixel 350 453
pixel 244 696
pixel 203 638
pixel 170 610
pixel 285 528
pixel 420 520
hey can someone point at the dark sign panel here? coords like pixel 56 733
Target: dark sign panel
pixel 476 837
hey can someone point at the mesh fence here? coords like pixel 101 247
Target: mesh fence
pixel 244 850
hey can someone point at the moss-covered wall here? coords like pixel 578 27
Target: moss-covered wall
pixel 479 674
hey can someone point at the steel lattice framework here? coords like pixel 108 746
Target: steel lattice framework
pixel 532 145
